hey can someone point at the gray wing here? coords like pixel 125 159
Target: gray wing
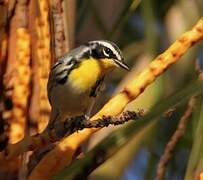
pixel 60 70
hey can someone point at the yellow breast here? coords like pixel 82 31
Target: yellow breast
pixel 89 71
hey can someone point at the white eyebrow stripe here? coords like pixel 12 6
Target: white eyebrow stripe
pixel 110 47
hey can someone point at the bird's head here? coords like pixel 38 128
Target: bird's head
pixel 107 52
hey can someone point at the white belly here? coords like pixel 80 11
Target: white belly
pixel 69 101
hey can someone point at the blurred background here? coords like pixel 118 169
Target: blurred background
pixel 142 29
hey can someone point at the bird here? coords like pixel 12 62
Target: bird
pixel 76 78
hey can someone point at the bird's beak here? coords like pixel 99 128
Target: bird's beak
pixel 122 64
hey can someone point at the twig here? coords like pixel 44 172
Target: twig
pixel 65 128
pixel 72 125
pixel 105 121
pixel 174 140
pixel 79 123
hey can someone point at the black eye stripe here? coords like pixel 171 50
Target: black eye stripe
pixel 102 52
pixel 99 51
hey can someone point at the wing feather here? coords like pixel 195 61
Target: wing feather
pixel 60 70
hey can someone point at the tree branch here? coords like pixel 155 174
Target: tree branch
pixel 66 128
pixel 78 123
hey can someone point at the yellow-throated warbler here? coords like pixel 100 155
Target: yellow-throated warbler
pixel 77 76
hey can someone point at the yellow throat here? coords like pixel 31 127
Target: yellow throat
pixel 89 71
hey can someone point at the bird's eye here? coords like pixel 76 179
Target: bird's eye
pixel 107 52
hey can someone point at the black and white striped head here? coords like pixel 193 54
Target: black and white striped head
pixel 102 49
